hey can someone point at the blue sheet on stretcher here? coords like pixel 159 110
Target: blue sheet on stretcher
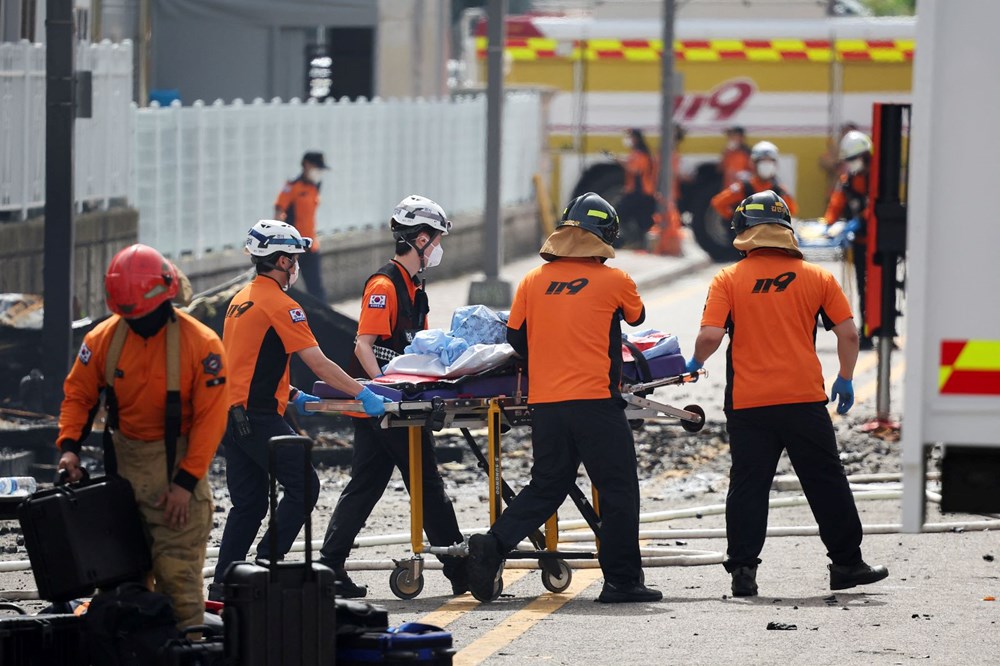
pixel 491 385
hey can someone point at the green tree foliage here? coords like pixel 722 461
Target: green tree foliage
pixel 892 7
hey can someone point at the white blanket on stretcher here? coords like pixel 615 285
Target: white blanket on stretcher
pixel 475 359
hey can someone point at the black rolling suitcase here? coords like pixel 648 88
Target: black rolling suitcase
pixel 42 640
pixel 84 535
pixel 283 613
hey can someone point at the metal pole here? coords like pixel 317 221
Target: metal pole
pixel 666 107
pixel 57 272
pixel 493 291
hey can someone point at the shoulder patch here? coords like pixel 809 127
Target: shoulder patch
pixel 377 301
pixel 212 364
pixel 297 315
pixel 85 354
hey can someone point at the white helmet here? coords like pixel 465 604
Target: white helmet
pixel 854 144
pixel 270 236
pixel 764 150
pixel 416 211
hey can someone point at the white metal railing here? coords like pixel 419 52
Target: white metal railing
pixel 103 150
pixel 204 173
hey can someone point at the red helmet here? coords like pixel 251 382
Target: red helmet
pixel 138 280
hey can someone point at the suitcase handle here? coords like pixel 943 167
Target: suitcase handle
pixel 272 464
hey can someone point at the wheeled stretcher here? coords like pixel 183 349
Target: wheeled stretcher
pixel 498 402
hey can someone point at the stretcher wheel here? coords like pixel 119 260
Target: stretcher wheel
pixel 694 427
pixel 560 582
pixel 404 585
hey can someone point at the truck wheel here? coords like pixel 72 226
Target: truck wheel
pixel 714 235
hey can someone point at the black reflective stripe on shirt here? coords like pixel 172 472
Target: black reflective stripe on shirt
pixel 272 359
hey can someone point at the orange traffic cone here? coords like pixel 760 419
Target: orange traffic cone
pixel 669 241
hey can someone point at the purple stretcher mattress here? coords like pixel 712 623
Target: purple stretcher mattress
pixel 659 367
pixel 463 387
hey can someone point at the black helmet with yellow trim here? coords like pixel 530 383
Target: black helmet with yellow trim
pixel 591 212
pixel 761 208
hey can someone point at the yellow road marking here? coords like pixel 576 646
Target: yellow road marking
pixel 518 623
pixel 456 607
pixel 869 389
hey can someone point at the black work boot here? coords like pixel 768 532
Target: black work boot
pixel 844 576
pixel 485 566
pixel 744 581
pixel 626 594
pixel 456 570
pixel 216 592
pixel 344 587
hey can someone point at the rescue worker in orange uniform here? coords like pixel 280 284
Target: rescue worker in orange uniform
pixel 850 201
pixel 764 157
pixel 768 304
pixel 176 506
pixel 735 162
pixel 566 319
pixel 296 204
pixel 393 308
pixel 264 327
pixel 638 202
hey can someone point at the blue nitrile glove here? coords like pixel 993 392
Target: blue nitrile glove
pixel 844 390
pixel 300 400
pixel 373 403
pixel 692 365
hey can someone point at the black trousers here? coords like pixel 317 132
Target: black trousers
pixel 309 264
pixel 247 480
pixel 376 453
pixel 757 437
pixel 597 433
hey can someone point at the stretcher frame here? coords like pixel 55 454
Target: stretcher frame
pixel 498 414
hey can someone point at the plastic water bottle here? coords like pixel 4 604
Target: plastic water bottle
pixel 17 485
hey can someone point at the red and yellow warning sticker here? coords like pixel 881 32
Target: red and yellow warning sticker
pixel 710 50
pixel 969 367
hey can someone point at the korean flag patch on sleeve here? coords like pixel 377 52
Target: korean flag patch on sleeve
pixel 85 354
pixel 377 301
pixel 297 315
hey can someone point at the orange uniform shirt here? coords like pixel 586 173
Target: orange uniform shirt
pixel 848 200
pixel 141 388
pixel 734 162
pixel 379 308
pixel 570 308
pixel 769 303
pixel 725 202
pixel 299 200
pixel 640 173
pixel 264 327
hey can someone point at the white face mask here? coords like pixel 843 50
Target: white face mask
pixel 767 169
pixel 733 144
pixel 315 175
pixel 856 165
pixel 293 276
pixel 434 258
pixel 627 142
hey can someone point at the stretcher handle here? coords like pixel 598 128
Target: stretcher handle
pixel 683 378
pixel 337 406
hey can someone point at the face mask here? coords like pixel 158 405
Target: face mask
pixel 856 165
pixel 293 276
pixel 733 144
pixel 767 169
pixel 627 142
pixel 434 258
pixel 315 175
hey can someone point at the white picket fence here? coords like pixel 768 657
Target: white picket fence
pixel 205 173
pixel 103 148
pixel 201 175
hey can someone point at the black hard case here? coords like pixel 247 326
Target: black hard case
pixel 42 640
pixel 281 613
pixel 82 536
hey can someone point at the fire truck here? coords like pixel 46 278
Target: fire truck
pixel 793 82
